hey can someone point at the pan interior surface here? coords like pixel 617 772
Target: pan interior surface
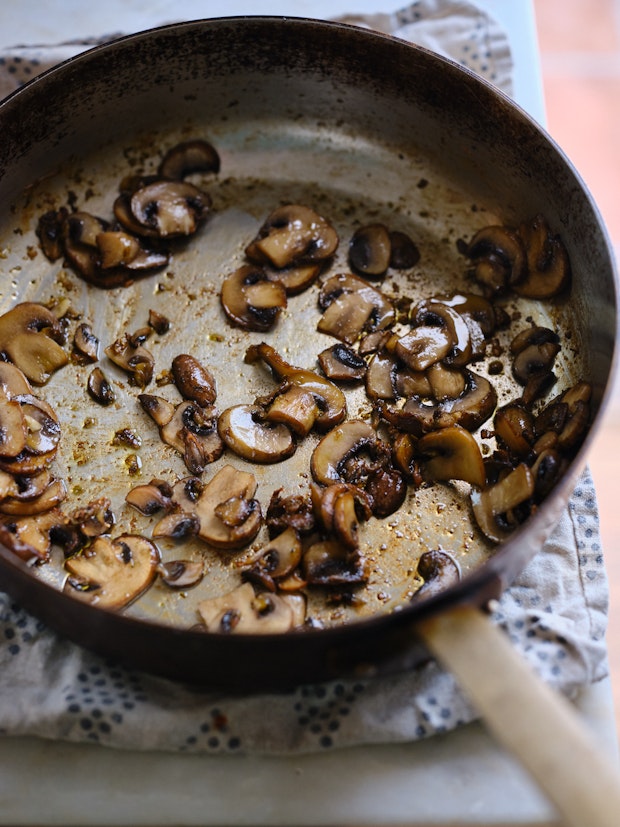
pixel 297 116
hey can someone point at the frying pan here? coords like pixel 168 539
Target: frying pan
pixel 357 124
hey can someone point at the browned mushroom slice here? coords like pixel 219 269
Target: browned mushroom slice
pixel 27 464
pixel 30 537
pixel 330 399
pixel 329 458
pixel 438 313
pixel 381 377
pixel 117 248
pixel 187 157
pixel 241 611
pixel 244 430
pixel 42 425
pixel 94 519
pixel 486 315
pixel 86 343
pixel 251 299
pixel 547 469
pixel 439 571
pixel 325 499
pixel 499 257
pixel 159 409
pixel 422 347
pixel 470 409
pixel 170 208
pixel 548 264
pixel 341 363
pixel 534 351
pixel 181 574
pixel 445 383
pixel 13 429
pixel 297 277
pixel 275 560
pixel 329 563
pixel 370 250
pixel 293 511
pixel 80 232
pixel 193 380
pixel 193 432
pixel 178 525
pixel 568 416
pixel 293 234
pixel 99 388
pixel 294 407
pixel 491 505
pixel 451 454
pixel 30 336
pixel 229 483
pixel 49 498
pixel 137 361
pixel 113 573
pixel 49 231
pixel 150 498
pixel 514 428
pixel 12 380
pixel 351 307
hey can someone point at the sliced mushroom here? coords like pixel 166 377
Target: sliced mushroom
pixel 49 231
pixel 170 208
pixel 228 483
pixel 86 343
pixel 534 351
pixel 341 363
pixel 439 571
pixel 451 454
pixel 548 264
pixel 193 432
pixel 30 537
pixel 159 322
pixel 498 256
pixel 42 425
pixel 293 511
pixel 181 574
pixel 99 388
pixel 351 307
pixel 241 611
pixel 49 498
pixel 296 278
pixel 178 525
pixel 491 505
pixel 295 407
pixel 329 398
pixel 445 382
pixel 293 234
pixel 12 380
pixel 370 250
pixel 113 573
pixel 275 560
pixel 12 427
pixel 440 314
pixel 193 380
pixel 245 431
pixel 514 428
pixel 404 252
pixel 187 157
pixel 470 409
pixel 330 563
pixel 137 361
pixel 422 347
pixel 150 498
pixel 251 299
pixel 331 454
pixel 30 336
pixel 94 519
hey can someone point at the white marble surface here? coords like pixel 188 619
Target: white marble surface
pixel 460 778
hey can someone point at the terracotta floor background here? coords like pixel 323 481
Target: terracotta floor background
pixel 579 44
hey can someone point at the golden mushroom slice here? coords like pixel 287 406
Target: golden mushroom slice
pixel 251 299
pixel 275 560
pixel 229 515
pixel 498 256
pixel 113 573
pixel 451 454
pixel 548 264
pixel 194 381
pixel 169 208
pixel 293 234
pixel 134 359
pixel 370 250
pixel 13 431
pixel 244 429
pixel 241 611
pixel 12 380
pixel 30 336
pixel 493 506
pixel 439 571
pixel 351 307
pixel 330 399
pixel 187 157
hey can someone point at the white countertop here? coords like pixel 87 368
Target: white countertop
pixel 460 778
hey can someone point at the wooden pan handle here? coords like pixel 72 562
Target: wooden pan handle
pixel 537 725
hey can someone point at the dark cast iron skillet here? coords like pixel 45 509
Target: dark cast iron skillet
pixel 306 110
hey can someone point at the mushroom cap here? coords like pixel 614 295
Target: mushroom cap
pixel 370 250
pixel 170 208
pixel 242 611
pixel 228 483
pixel 194 155
pixel 332 451
pixel 293 234
pixel 251 299
pixel 451 454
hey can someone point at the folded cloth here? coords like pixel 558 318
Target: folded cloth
pixel 555 614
